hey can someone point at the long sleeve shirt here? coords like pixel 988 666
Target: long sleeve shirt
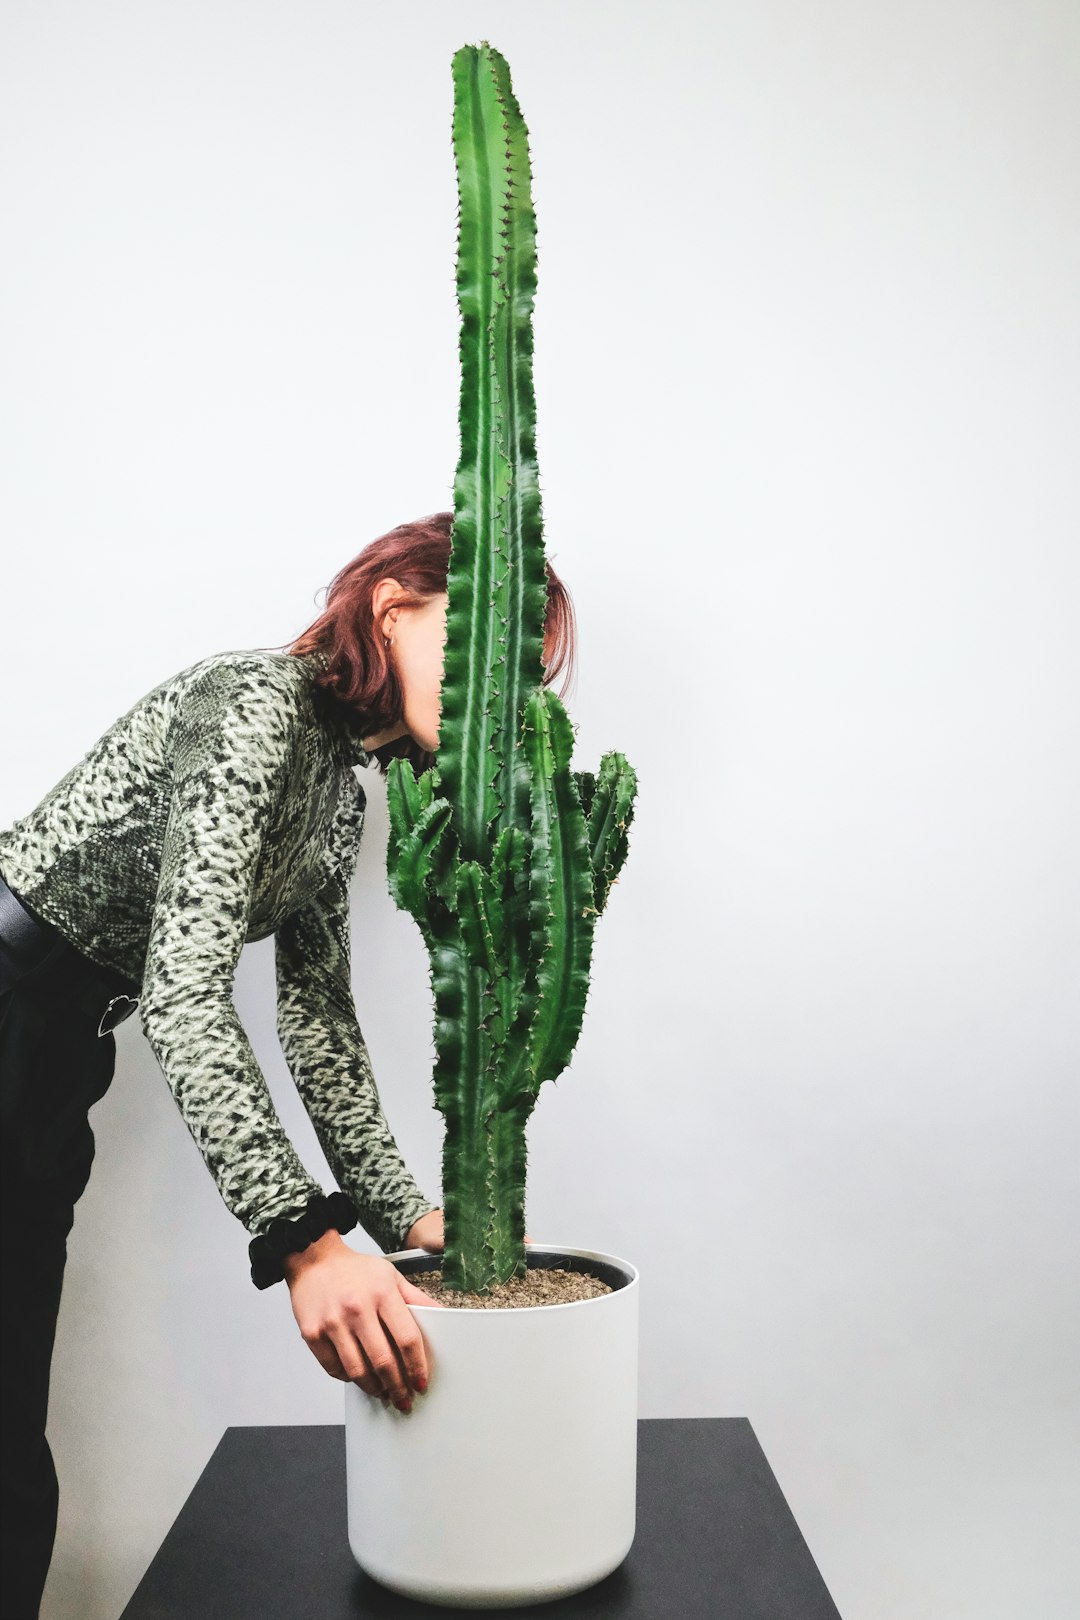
pixel 222 808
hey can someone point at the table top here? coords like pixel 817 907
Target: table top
pixel 263 1536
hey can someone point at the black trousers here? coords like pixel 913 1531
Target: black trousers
pixel 54 1065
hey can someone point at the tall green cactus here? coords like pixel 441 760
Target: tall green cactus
pixel 504 856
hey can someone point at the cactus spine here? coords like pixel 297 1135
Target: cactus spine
pixel 503 855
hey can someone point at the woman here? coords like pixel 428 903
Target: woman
pixel 222 808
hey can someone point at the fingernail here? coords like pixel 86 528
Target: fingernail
pixel 421 1385
pixel 403 1406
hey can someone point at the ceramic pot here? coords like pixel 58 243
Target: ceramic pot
pixel 513 1480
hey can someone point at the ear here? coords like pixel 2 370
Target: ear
pixel 385 619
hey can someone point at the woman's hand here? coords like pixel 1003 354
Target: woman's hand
pixel 427 1232
pixel 352 1313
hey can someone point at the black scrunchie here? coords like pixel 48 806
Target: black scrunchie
pixel 284 1236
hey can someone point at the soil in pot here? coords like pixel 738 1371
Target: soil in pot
pixel 539 1286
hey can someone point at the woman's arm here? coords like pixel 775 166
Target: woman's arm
pixel 230 748
pixel 329 1061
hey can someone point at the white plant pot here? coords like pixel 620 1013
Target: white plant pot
pixel 513 1480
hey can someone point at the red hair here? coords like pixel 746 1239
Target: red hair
pixel 359 671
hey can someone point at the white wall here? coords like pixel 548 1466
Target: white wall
pixel 806 363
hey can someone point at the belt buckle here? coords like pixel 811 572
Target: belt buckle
pixel 106 1028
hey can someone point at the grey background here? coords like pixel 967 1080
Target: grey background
pixel 806 365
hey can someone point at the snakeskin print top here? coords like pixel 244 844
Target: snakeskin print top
pixel 223 807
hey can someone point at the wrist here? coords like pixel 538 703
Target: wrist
pixel 293 1264
pixel 426 1230
pixel 287 1235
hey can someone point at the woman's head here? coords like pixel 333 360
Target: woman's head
pixel 383 629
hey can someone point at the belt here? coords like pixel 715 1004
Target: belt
pixel 30 941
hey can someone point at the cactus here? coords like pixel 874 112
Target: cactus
pixel 503 855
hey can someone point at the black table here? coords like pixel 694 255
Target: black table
pixel 263 1537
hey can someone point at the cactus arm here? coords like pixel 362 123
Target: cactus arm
pixel 611 811
pixel 415 857
pixel 562 909
pixel 586 786
pixel 476 902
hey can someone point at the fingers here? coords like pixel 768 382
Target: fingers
pixel 356 1324
pixel 405 1335
pixel 384 1361
pixel 379 1347
pixel 326 1355
pixel 338 1347
pixel 337 1353
pixel 350 1355
pixel 341 1350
